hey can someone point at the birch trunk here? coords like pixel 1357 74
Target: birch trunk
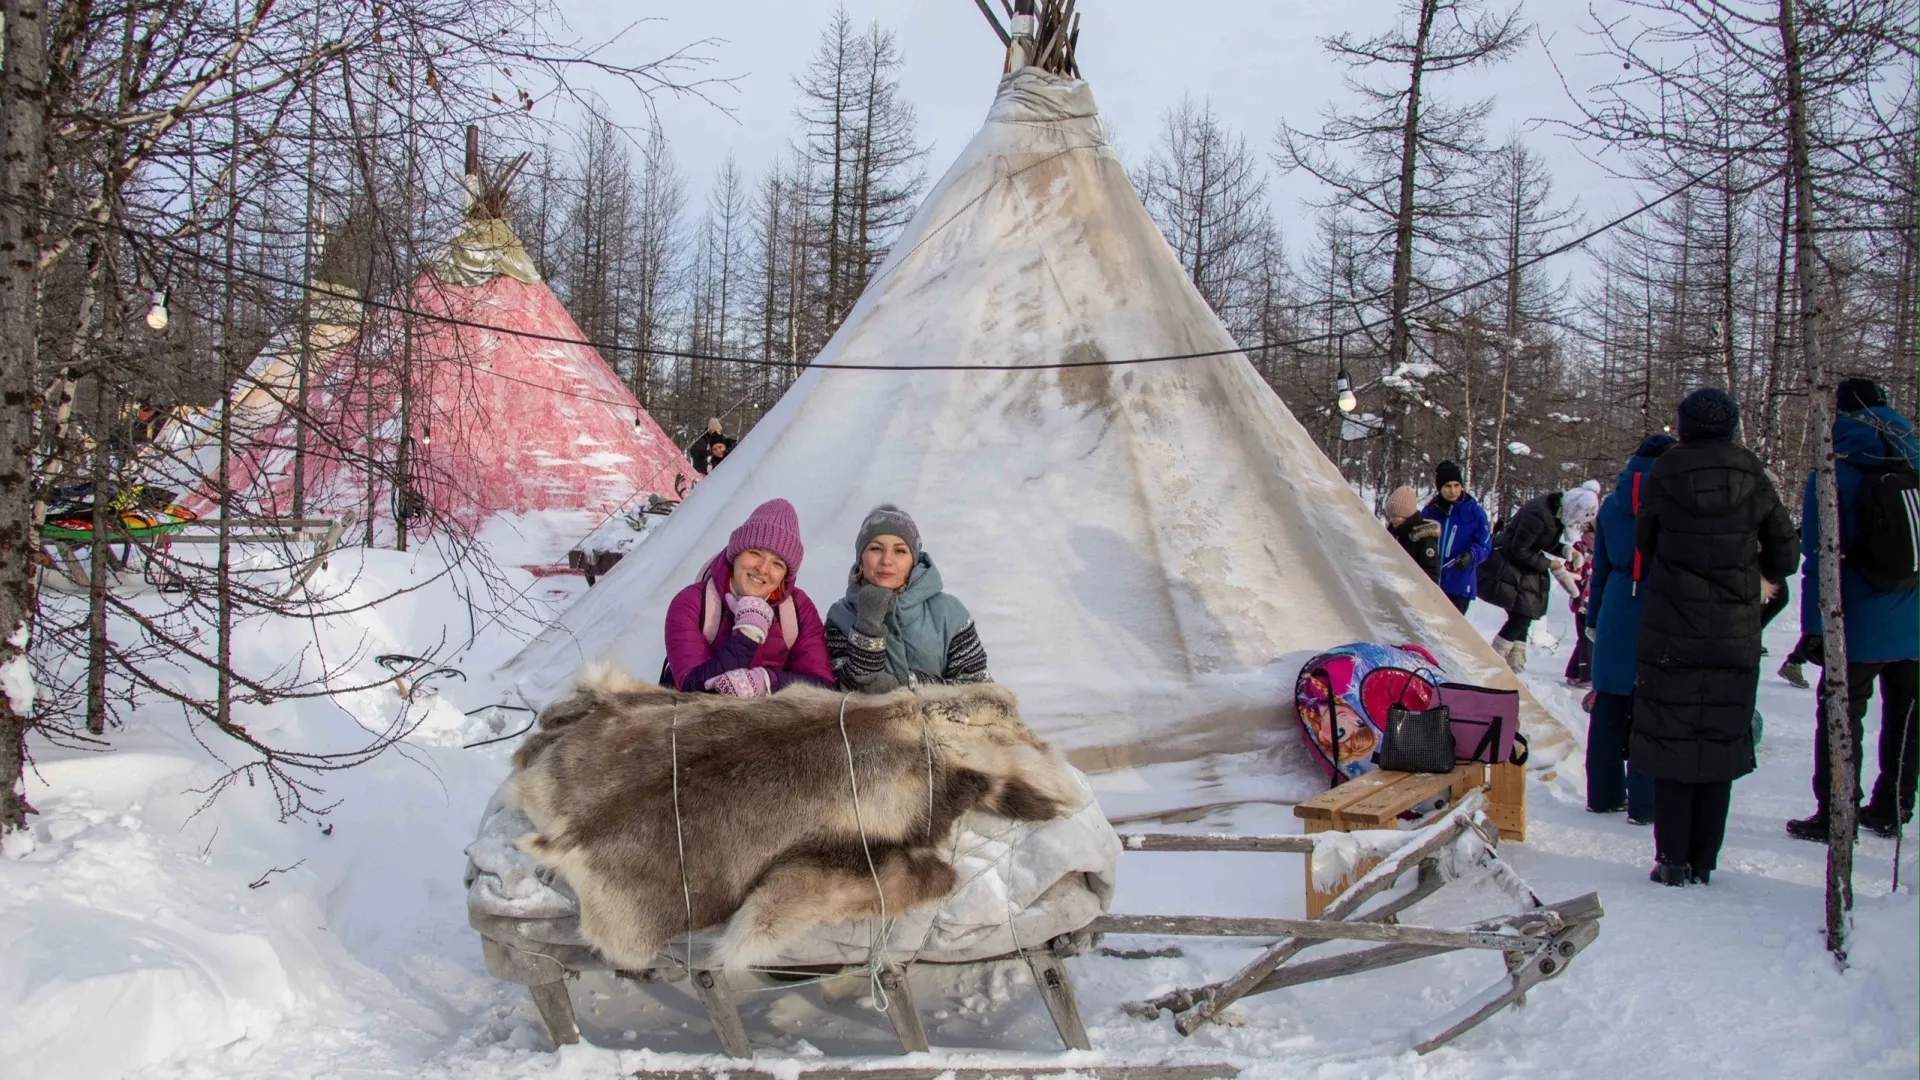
pixel 1841 808
pixel 22 105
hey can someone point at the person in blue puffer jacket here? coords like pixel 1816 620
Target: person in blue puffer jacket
pixel 1883 626
pixel 1614 623
pixel 1465 539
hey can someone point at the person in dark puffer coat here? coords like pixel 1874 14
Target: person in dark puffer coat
pixel 1528 553
pixel 1711 527
pixel 1419 536
pixel 1613 621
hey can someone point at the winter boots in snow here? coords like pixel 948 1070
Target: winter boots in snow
pixel 1791 672
pixel 1814 828
pixel 1880 822
pixel 1513 652
pixel 1871 818
pixel 1675 874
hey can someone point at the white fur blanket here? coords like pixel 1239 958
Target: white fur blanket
pixel 1021 884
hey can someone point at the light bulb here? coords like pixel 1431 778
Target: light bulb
pixel 157 314
pixel 1343 391
pixel 1348 402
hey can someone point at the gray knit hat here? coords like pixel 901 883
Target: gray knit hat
pixel 887 520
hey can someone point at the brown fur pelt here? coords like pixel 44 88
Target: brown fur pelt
pixel 766 808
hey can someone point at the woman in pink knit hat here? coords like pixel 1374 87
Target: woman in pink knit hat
pixel 745 629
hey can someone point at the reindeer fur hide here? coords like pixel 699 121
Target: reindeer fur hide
pixel 773 846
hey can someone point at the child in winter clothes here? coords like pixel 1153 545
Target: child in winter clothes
pixel 1419 536
pixel 1580 565
pixel 896 626
pixel 1465 538
pixel 745 629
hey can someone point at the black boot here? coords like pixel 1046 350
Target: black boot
pixel 1702 877
pixel 1670 874
pixel 1814 828
pixel 1879 822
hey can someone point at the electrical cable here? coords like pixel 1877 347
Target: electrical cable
pixel 139 236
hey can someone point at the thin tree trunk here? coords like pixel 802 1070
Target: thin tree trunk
pixel 22 104
pixel 103 520
pixel 1409 166
pixel 1841 810
pixel 1776 349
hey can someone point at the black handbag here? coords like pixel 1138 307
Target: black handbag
pixel 1418 741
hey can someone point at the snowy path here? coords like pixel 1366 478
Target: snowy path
pixel 132 945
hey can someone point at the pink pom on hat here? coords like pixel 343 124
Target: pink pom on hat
pixel 773 526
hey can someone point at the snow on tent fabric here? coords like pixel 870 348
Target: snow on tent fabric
pixel 1149 550
pixel 509 422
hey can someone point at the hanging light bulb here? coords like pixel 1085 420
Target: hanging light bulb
pixel 157 313
pixel 426 436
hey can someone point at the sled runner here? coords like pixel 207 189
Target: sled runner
pixel 146 548
pixel 1538 943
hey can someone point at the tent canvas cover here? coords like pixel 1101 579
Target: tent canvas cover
pixel 511 413
pixel 1150 551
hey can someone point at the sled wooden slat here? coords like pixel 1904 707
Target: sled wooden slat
pixel 1312 929
pixel 901 1010
pixel 1353 963
pixel 1056 989
pixel 1012 1072
pixel 1376 881
pixel 556 1012
pixel 717 998
pixel 1298 845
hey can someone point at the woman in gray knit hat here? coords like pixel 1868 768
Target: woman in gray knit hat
pixel 896 626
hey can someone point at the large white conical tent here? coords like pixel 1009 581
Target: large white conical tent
pixel 1149 550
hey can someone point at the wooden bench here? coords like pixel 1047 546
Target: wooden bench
pixel 1377 799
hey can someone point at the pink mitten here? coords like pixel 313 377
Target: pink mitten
pixel 742 682
pixel 752 616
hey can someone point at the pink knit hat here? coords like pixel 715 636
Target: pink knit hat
pixel 1402 504
pixel 773 526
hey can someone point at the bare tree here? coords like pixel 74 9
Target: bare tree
pixel 1207 192
pixel 1406 165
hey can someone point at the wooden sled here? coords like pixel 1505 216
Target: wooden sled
pixel 70 574
pixel 515 952
pixel 1538 943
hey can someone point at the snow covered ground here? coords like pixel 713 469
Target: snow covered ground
pixel 142 935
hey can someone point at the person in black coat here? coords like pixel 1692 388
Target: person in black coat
pixel 1528 552
pixel 1710 528
pixel 713 445
pixel 1419 536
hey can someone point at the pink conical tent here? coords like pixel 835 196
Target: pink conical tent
pixel 478 401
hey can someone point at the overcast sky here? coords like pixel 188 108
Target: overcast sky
pixel 1257 60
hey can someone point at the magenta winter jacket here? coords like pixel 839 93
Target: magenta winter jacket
pixel 693 660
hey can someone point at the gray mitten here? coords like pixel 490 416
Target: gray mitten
pixel 870 610
pixel 882 683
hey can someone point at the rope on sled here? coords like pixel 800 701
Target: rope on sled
pixel 679 833
pixel 876 957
